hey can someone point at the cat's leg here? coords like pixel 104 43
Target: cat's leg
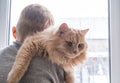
pixel 19 67
pixel 69 76
pixel 22 62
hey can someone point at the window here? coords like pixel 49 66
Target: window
pixel 92 14
pixel 115 40
pixel 4 22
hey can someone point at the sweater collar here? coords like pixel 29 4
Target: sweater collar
pixel 17 44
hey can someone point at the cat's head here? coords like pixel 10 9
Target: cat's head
pixel 70 42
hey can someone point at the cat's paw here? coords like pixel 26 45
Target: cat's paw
pixel 11 78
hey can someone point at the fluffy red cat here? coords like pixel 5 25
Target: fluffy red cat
pixel 65 46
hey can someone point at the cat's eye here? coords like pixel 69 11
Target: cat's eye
pixel 80 45
pixel 69 43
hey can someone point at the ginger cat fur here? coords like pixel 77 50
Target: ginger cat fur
pixel 65 46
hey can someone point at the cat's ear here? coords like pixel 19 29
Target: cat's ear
pixel 63 28
pixel 83 32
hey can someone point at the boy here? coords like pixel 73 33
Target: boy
pixel 33 18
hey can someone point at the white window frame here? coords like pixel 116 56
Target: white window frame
pixel 4 22
pixel 114 24
pixel 115 40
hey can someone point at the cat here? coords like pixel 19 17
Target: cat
pixel 65 46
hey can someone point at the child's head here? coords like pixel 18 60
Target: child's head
pixel 33 18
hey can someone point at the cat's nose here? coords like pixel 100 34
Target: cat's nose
pixel 75 51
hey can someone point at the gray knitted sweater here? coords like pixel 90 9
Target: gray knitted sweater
pixel 39 71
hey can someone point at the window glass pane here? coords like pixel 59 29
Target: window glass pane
pixel 92 14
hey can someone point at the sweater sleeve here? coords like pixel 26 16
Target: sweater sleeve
pixel 41 77
pixel 7 57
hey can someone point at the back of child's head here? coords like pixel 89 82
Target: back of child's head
pixel 33 18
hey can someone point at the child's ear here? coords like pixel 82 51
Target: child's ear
pixel 83 32
pixel 14 31
pixel 63 28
